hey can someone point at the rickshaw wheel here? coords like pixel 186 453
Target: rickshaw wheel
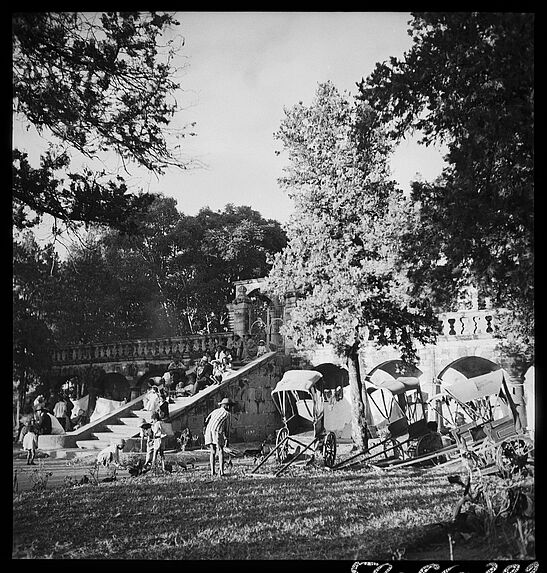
pixel 329 449
pixel 512 455
pixel 282 453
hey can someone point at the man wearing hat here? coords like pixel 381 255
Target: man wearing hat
pixel 216 433
pixel 43 421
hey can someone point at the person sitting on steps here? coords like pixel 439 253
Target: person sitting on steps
pixel 204 375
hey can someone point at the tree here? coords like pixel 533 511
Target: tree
pixel 468 81
pixel 341 240
pixel 178 270
pixel 87 315
pixel 226 246
pixel 32 335
pixel 91 84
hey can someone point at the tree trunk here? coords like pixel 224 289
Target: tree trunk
pixel 358 406
pixel 21 395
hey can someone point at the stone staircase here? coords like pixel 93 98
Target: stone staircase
pixel 125 422
pixel 126 427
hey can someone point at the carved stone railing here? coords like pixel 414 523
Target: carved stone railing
pixel 460 324
pixel 467 323
pixel 187 347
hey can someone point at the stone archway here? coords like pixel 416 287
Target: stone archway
pixel 470 366
pixel 469 389
pixel 113 386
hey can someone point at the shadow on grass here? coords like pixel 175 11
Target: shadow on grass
pixel 315 515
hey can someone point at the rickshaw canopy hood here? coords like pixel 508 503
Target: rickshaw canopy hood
pixel 398 386
pixel 468 389
pixel 303 380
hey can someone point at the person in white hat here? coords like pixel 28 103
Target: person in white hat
pixel 216 433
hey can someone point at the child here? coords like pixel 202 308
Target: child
pixel 30 443
pixel 154 446
pixel 261 350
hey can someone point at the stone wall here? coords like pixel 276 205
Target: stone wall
pixel 255 417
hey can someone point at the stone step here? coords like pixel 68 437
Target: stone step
pixel 72 453
pixel 123 430
pixel 143 414
pixel 134 421
pixel 110 436
pixel 92 444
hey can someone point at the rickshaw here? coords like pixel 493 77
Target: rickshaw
pixel 477 410
pixel 299 400
pixel 397 424
pixel 397 427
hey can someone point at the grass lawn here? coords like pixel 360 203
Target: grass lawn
pixel 311 513
pixel 308 513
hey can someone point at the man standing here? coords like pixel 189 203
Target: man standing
pixel 43 421
pixel 216 433
pixel 59 411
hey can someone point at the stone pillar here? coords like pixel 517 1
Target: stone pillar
pixel 239 312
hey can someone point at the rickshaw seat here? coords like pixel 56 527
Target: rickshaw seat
pixel 418 429
pixel 398 427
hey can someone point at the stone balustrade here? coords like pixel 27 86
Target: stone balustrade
pixel 467 323
pixel 191 346
pixel 460 324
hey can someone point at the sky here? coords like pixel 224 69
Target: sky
pixel 240 69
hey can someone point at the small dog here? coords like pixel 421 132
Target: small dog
pixel 258 454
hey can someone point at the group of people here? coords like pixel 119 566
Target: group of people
pixel 41 421
pixel 209 370
pixel 217 428
pixel 152 435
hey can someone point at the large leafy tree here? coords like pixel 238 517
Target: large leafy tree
pixel 468 81
pixel 190 262
pixel 226 246
pixel 342 238
pixel 33 283
pixel 111 310
pixel 92 84
pixel 153 246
